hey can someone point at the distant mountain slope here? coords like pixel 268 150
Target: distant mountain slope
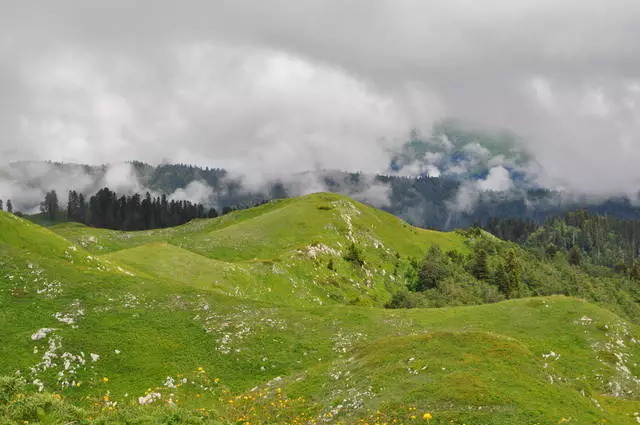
pixel 462 192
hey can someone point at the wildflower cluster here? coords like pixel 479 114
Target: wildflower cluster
pixel 269 405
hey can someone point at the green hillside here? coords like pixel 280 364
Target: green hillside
pixel 278 252
pixel 245 319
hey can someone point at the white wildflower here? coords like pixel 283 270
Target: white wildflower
pixel 41 333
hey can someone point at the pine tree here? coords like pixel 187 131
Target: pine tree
pixel 9 206
pixel 433 269
pixel 480 268
pixel 634 270
pixel 49 207
pixel 513 271
pixel 82 209
pixel 73 206
pixel 1 206
pixel 550 251
pixel 575 256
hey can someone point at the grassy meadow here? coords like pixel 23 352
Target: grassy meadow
pixel 263 316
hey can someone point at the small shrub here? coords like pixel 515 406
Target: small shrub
pixel 405 299
pixel 354 255
pixel 9 387
pixel 331 266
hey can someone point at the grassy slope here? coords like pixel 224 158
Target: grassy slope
pixel 277 252
pixel 161 307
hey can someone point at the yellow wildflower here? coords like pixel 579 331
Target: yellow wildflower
pixel 427 416
pixel 105 379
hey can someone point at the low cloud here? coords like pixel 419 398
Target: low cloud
pixel 470 192
pixel 198 192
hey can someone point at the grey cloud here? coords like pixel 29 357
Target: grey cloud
pixel 267 88
pixel 25 183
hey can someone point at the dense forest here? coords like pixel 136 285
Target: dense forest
pixel 107 210
pixel 440 203
pixel 492 270
pixel 601 240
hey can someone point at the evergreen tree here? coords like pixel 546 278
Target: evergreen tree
pixel 82 209
pixel 9 206
pixel 1 206
pixel 480 267
pixel 575 256
pixel 433 269
pixel 550 251
pixel 74 212
pixel 513 274
pixel 49 207
pixel 634 270
pixel 501 279
pixel 278 191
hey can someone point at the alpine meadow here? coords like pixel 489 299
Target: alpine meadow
pixel 275 314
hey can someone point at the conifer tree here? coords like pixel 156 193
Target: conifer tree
pixel 433 269
pixel 480 268
pixel 49 207
pixel 575 257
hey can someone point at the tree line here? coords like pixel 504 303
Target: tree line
pixel 489 269
pixel 597 239
pixel 9 206
pixel 107 210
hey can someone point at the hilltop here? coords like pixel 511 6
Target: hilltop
pixel 281 251
pixel 247 318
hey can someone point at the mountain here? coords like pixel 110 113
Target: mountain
pixel 462 152
pixel 249 318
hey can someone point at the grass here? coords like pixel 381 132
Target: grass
pixel 246 310
pixel 277 252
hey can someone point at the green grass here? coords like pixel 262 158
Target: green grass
pixel 241 297
pixel 278 252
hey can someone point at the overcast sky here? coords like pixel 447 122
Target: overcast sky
pixel 264 86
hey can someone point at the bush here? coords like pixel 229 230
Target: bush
pixel 330 265
pixel 405 299
pixel 9 387
pixel 34 407
pixel 354 255
pixel 433 269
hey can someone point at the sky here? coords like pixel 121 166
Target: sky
pixel 263 87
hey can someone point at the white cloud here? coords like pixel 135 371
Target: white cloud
pixel 197 192
pixel 498 180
